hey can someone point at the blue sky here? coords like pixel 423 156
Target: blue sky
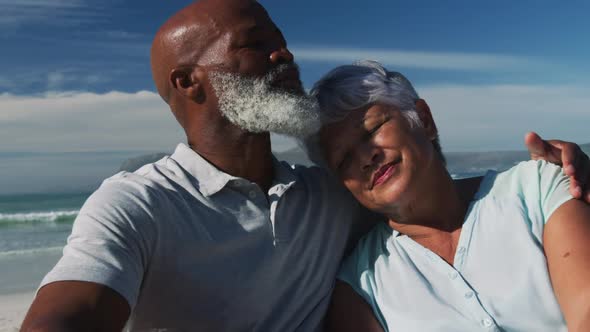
pixel 75 77
pixel 102 46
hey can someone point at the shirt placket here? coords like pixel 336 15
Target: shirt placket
pixel 468 300
pixel 462 286
pixel 274 195
pixel 254 195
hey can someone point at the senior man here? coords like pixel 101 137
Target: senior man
pixel 220 236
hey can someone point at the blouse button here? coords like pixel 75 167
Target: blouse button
pixel 486 322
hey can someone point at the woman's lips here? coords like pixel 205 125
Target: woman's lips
pixel 383 173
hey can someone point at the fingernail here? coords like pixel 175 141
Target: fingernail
pixel 577 192
pixel 570 169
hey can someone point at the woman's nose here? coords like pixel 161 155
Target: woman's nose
pixel 369 156
pixel 281 56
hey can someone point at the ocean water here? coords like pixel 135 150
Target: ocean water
pixel 39 222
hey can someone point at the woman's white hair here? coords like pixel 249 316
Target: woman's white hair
pixel 352 87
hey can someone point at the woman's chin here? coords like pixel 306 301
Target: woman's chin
pixel 392 192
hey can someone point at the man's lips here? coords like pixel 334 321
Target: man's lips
pixel 383 173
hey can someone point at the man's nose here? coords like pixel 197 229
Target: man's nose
pixel 281 56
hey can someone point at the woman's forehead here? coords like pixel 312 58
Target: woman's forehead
pixel 356 119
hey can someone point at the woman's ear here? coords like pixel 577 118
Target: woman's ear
pixel 188 82
pixel 426 117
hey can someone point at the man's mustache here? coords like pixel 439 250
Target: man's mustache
pixel 281 70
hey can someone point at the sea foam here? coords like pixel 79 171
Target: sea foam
pixel 34 251
pixel 41 216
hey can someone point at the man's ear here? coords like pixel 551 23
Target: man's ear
pixel 188 82
pixel 426 117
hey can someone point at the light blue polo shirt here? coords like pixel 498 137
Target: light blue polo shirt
pixel 499 280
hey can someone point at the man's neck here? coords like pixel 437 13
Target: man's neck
pixel 237 153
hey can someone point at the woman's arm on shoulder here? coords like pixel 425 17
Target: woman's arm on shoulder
pixel 350 312
pixel 566 241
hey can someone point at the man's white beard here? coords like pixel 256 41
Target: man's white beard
pixel 255 106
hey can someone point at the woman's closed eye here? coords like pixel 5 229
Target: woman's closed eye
pixel 375 129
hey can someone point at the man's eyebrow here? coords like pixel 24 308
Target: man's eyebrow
pixel 247 28
pixel 251 27
pixel 252 31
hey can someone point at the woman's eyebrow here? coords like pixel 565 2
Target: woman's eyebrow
pixel 367 117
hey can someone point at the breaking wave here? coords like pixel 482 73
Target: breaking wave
pixel 38 217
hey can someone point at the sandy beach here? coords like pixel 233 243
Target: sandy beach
pixel 13 308
pixel 20 276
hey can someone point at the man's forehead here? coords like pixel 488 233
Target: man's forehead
pixel 224 13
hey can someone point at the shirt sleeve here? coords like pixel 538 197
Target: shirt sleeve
pixel 111 239
pixel 358 269
pixel 553 188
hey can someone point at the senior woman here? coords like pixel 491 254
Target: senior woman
pixel 509 251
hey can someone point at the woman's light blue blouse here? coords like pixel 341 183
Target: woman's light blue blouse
pixel 499 280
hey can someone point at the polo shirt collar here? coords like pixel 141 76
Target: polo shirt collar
pixel 211 180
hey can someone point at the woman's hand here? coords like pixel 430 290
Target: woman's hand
pixel 574 161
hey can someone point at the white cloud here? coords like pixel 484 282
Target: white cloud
pixel 468 117
pixel 81 121
pixel 497 116
pixel 411 59
pixel 51 80
pixel 87 122
pixel 55 80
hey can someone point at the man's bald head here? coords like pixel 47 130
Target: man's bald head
pixel 189 37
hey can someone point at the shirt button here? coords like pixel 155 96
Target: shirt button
pixel 461 250
pixel 486 322
pixel 252 194
pixel 469 295
pixel 453 275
